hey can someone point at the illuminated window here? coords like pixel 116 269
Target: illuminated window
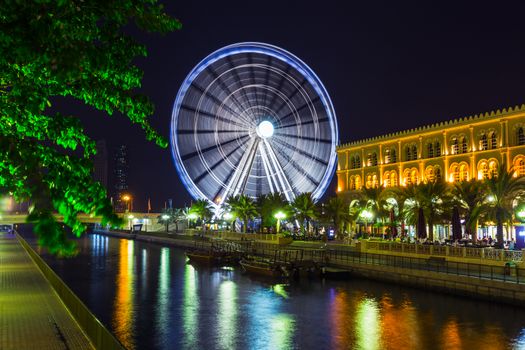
pixel 520 136
pixel 369 181
pixel 483 170
pixel 438 149
pixel 483 143
pixel 357 162
pixel 519 167
pixel 493 169
pixel 463 172
pixel 430 150
pixel 429 174
pixel 414 152
pixel 454 173
pixel 386 179
pixel 375 182
pixel 374 159
pixel 357 182
pixel 408 153
pixel 352 163
pixel 393 178
pixel 455 146
pixel 493 141
pixel 464 147
pixel 413 176
pixel 393 156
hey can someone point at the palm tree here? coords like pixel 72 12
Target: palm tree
pixel 166 217
pixel 405 198
pixel 338 211
pixel 468 196
pixel 202 209
pixel 243 207
pixel 375 199
pixel 267 205
pixel 433 198
pixel 503 189
pixel 304 209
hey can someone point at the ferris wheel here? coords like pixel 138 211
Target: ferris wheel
pixel 252 118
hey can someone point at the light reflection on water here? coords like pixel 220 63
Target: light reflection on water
pixel 161 302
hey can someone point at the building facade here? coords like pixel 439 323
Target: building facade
pixel 461 149
pixel 121 178
pixel 100 163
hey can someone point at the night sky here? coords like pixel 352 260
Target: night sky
pixel 386 66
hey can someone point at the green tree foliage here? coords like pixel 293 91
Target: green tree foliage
pixel 243 207
pixel 304 210
pixel 77 50
pixel 470 196
pixel 503 190
pixel 269 204
pixel 338 211
pixel 202 209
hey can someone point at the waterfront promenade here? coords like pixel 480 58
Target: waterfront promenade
pixel 32 316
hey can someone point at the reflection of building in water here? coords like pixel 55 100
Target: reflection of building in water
pixel 124 305
pixel 227 317
pixel 190 307
pixel 163 294
pixel 121 178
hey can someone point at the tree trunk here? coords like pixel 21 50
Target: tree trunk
pixel 431 228
pixel 244 224
pixel 499 230
pixel 167 224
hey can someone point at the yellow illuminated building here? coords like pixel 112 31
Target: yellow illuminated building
pixel 461 149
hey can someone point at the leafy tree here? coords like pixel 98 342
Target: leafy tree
pixel 166 217
pixel 338 211
pixel 77 50
pixel 503 189
pixel 469 196
pixel 267 205
pixel 304 209
pixel 243 207
pixel 433 197
pixel 202 209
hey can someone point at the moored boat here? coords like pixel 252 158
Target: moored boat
pixel 262 267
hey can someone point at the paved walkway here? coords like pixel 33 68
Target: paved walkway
pixel 32 316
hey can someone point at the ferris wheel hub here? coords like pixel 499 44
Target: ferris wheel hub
pixel 265 129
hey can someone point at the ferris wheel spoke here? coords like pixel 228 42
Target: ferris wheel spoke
pixel 301 170
pixel 209 131
pixel 291 96
pixel 225 87
pixel 287 189
pixel 280 84
pixel 301 137
pixel 300 109
pixel 208 171
pixel 210 148
pixel 300 151
pixel 237 78
pixel 294 125
pixel 267 79
pixel 211 115
pixel 218 102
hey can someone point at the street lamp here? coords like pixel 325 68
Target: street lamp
pixel 127 198
pixel 279 216
pixel 191 216
pixel 367 215
pixel 228 216
pixel 130 219
pixel 166 217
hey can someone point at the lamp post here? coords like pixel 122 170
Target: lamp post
pixel 279 216
pixel 366 215
pixel 130 219
pixel 128 199
pixel 166 217
pixel 191 216
pixel 228 216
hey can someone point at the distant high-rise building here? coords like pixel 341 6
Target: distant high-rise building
pixel 121 178
pixel 100 163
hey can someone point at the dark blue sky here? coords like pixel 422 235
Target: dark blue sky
pixel 387 67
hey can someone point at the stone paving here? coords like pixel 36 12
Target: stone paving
pixel 32 316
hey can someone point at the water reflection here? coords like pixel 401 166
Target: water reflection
pixel 178 307
pixel 227 317
pixel 124 306
pixel 190 308
pixel 163 294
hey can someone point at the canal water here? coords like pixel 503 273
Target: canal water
pixel 151 298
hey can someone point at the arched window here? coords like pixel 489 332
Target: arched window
pixel 393 178
pixel 408 153
pixel 375 182
pixel 387 156
pixel 393 156
pixel 386 179
pixel 463 172
pixel 407 178
pixel 430 150
pixel 483 143
pixel 493 141
pixel 429 174
pixel 483 170
pixel 413 176
pixel 414 152
pixel 520 136
pixel 455 146
pixel 352 163
pixel 463 145
pixel 493 169
pixel 519 167
pixel 369 181
pixel 454 173
pixel 438 149
pixel 357 182
pixel 374 159
pixel 357 162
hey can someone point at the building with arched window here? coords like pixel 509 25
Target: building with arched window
pixel 462 149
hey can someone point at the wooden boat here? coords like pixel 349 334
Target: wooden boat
pixel 203 257
pixel 262 268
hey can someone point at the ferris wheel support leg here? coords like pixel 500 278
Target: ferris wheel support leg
pixel 267 167
pixel 285 185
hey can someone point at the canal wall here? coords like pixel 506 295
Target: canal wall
pixel 97 333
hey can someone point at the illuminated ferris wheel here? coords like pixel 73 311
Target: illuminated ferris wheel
pixel 252 118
